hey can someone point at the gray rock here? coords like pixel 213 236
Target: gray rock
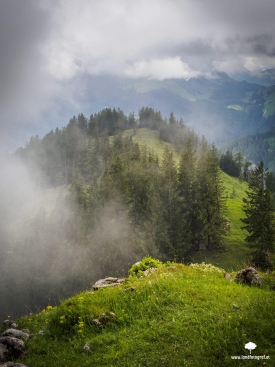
pixel 86 348
pixel 11 346
pixel 148 271
pixel 108 282
pixel 40 333
pixel 3 352
pixel 249 277
pixel 16 334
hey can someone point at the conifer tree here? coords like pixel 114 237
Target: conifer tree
pixel 259 221
pixel 211 206
pixel 187 192
pixel 170 200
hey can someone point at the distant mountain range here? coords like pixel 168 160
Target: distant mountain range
pixel 221 108
pixel 265 78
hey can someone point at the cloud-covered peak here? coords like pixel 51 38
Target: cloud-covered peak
pixel 47 46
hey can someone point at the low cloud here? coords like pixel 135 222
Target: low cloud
pixel 161 69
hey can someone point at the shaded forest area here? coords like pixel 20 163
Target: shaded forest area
pixel 110 202
pixel 255 148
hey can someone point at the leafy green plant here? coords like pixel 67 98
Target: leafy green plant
pixel 146 263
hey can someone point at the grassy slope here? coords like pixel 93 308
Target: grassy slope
pixel 177 316
pixel 235 251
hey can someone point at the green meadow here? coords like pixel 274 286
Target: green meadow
pixel 177 316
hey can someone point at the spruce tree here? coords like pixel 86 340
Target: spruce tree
pixel 259 221
pixel 211 206
pixel 170 200
pixel 187 192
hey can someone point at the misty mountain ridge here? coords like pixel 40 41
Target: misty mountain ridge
pixel 219 107
pixel 265 78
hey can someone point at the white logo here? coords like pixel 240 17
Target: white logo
pixel 250 346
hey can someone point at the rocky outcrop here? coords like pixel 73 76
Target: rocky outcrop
pixel 108 282
pixel 11 345
pixel 248 276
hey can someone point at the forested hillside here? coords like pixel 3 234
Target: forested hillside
pixel 107 201
pixel 91 199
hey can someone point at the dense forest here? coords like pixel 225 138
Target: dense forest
pixel 108 201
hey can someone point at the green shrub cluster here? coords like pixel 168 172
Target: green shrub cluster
pixel 146 263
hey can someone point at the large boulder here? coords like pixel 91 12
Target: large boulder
pixel 108 282
pixel 248 276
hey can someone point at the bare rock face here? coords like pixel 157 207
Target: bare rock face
pixel 248 276
pixel 108 282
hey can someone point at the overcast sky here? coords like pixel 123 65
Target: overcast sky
pixel 48 46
